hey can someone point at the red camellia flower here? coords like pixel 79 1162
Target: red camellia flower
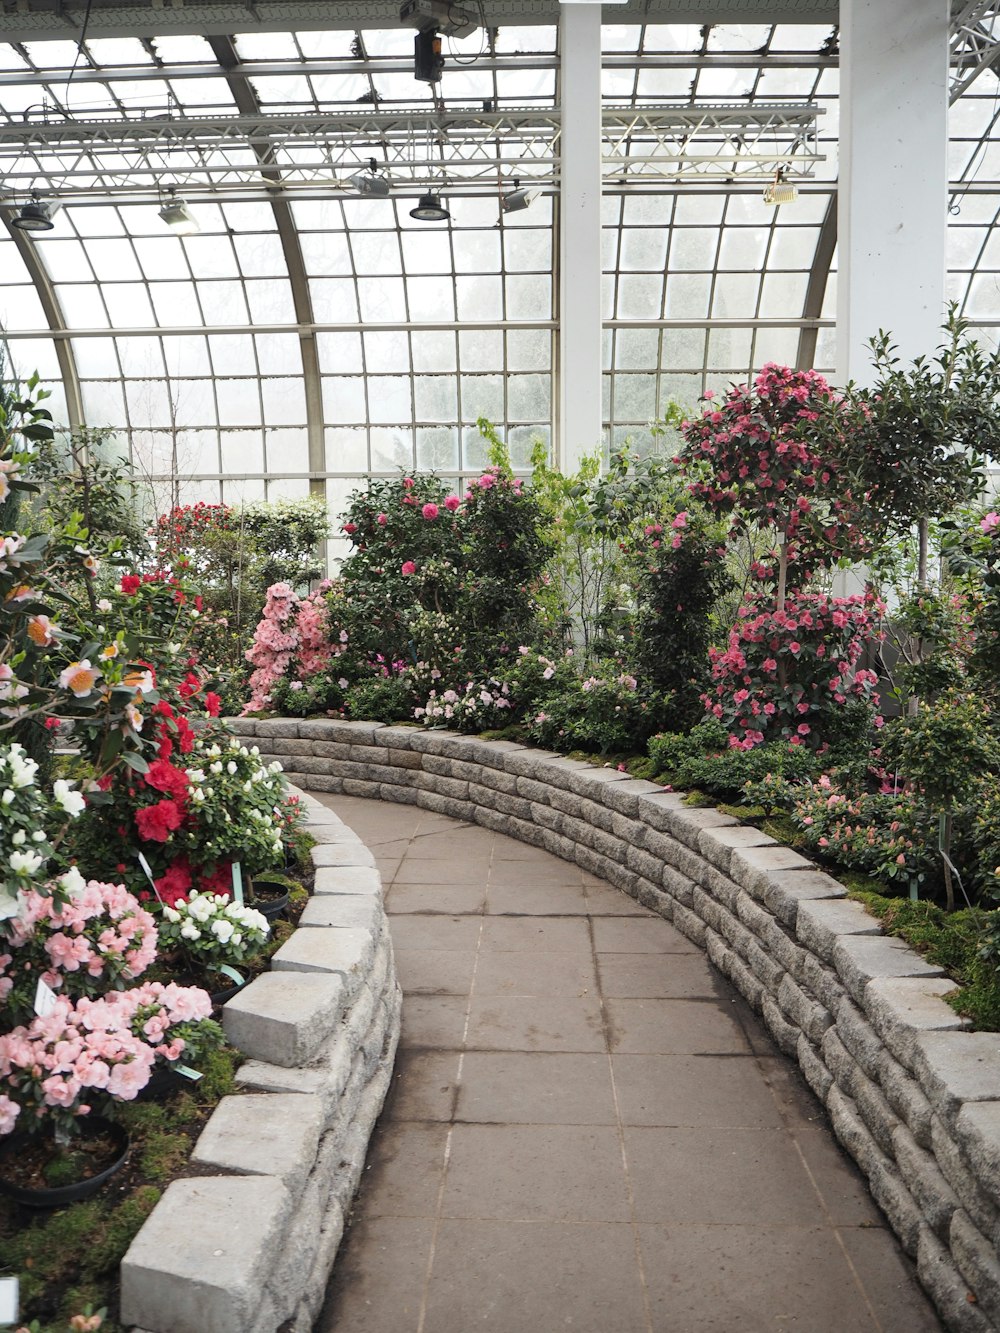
pixel 212 704
pixel 175 884
pixel 130 585
pixel 164 777
pixel 430 511
pixel 157 822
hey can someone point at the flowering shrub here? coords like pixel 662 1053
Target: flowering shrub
pixel 211 929
pixel 479 707
pixel 175 1020
pixel 608 713
pixel 98 939
pixel 68 1063
pixel 703 759
pixel 29 821
pixel 788 673
pixel 884 835
pixel 290 642
pixel 236 808
pixel 768 454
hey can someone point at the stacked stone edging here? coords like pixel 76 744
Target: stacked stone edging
pixel 248 1246
pixel 912 1095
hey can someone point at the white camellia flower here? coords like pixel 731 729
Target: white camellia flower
pixel 24 862
pixel 189 931
pixel 19 838
pixel 72 881
pixel 71 801
pixel 172 914
pixel 38 835
pixel 8 797
pixel 222 930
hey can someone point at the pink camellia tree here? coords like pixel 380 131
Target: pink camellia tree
pixel 768 458
pixel 768 455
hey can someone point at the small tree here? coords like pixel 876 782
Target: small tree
pixel 919 433
pixel 769 456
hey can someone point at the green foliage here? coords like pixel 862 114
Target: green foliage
pixel 953 941
pixel 943 748
pixel 607 713
pixel 703 758
pixel 920 430
pixel 933 642
pixel 381 699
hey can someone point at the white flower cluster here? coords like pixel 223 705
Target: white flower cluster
pixel 217 923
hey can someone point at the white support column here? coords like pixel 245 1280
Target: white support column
pixel 579 364
pixel 893 178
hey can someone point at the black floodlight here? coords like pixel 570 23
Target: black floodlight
pixel 430 209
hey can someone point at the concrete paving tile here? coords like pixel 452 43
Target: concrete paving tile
pixel 649 935
pixel 505 1023
pixel 674 1027
pixel 548 934
pixel 433 1021
pixel 535 973
pixel 706 1090
pixel 403 1170
pixel 890 1281
pixel 424 1086
pixel 378 1280
pixel 394 848
pixel 563 1173
pixel 659 976
pixel 605 901
pixel 435 971
pixel 468 844
pixel 841 1185
pixel 752 1177
pixel 536 1088
pixel 753 1025
pixel 525 873
pixel 536 899
pixel 717 1279
pixel 415 930
pixel 449 899
pixel 792 1095
pixel 509 849
pixel 452 870
pixel 534 1277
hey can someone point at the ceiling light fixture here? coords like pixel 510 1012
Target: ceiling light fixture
pixel 178 217
pixel 430 209
pixel 519 199
pixel 780 191
pixel 370 183
pixel 36 215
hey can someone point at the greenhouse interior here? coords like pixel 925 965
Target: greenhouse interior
pixel 499 666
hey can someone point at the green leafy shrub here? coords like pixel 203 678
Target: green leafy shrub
pixel 607 713
pixel 703 759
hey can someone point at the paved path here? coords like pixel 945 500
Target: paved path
pixel 589 1129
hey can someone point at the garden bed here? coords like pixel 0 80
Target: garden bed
pixel 911 1092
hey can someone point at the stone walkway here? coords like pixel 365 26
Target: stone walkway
pixel 588 1128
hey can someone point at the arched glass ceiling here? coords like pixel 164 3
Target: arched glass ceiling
pixel 328 336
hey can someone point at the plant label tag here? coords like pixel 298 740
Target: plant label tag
pixel 188 1072
pixel 231 973
pixel 147 871
pixel 45 999
pixel 238 883
pixel 9 1300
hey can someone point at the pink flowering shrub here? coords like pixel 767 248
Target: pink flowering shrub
pixel 97 939
pixel 175 1020
pixel 768 454
pixel 75 1060
pixel 788 673
pixel 292 642
pixel 879 833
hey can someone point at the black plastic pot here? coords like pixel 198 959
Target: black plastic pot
pixel 57 1196
pixel 269 907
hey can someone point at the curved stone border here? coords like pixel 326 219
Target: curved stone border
pixel 912 1095
pixel 248 1246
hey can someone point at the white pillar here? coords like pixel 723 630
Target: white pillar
pixel 579 363
pixel 892 207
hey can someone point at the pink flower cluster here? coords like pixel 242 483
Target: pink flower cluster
pixel 60 1065
pixel 98 937
pixel 770 455
pixel 152 1012
pixel 782 670
pixel 291 638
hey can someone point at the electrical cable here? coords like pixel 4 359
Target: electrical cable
pixel 79 45
pixel 484 41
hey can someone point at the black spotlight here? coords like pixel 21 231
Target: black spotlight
pixel 430 209
pixel 36 216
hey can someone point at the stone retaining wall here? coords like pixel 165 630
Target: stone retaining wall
pixel 912 1095
pixel 248 1246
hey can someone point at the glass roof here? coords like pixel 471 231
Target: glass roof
pixel 330 335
